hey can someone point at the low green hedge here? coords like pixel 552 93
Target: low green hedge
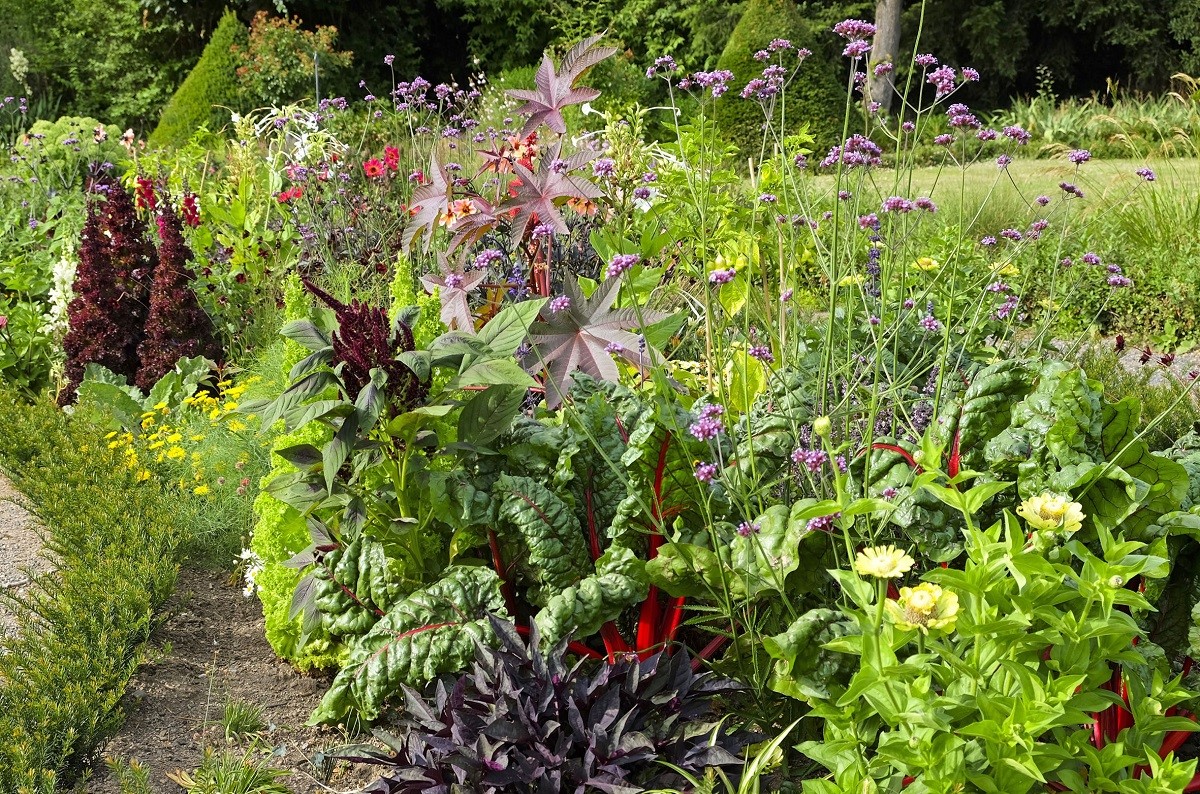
pixel 82 627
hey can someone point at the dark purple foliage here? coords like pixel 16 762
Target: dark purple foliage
pixel 177 327
pixel 107 317
pixel 523 721
pixel 556 88
pixel 366 340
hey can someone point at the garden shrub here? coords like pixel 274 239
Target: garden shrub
pixel 815 96
pixel 80 629
pixel 277 64
pixel 176 326
pixel 112 288
pixel 209 91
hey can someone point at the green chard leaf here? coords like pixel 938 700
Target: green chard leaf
pixel 432 631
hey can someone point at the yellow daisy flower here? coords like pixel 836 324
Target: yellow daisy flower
pixel 1009 270
pixel 926 263
pixel 143 475
pixel 176 453
pixel 883 562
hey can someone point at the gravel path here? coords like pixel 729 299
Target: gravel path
pixel 19 547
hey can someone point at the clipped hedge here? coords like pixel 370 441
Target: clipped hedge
pixel 816 95
pixel 208 91
pixel 80 628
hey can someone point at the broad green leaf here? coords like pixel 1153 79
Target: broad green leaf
pixel 580 610
pixel 541 536
pixel 307 334
pixel 493 372
pixel 804 669
pixel 432 631
pixel 505 332
pixel 489 413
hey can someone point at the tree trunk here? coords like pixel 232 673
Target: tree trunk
pixel 885 47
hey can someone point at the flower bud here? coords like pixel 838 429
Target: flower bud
pixel 821 426
pixel 1115 582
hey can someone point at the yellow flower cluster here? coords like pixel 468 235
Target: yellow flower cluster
pixel 883 562
pixel 168 436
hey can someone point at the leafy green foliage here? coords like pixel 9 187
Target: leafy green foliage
pixel 210 90
pixel 80 629
pixel 279 62
pixel 524 720
pixel 431 631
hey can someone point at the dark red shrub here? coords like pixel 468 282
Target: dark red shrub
pixel 107 318
pixel 177 327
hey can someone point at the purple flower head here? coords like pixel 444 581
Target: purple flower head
pixel 1008 307
pixel 897 204
pixel 641 192
pixel 1079 156
pixel 786 295
pixel 945 139
pixel 1146 174
pixel 721 276
pixel 889 493
pixel 988 241
pixel 811 459
pixel 768 198
pixel 717 82
pixel 542 230
pixel 559 166
pixel 868 221
pixel 1003 161
pixel 389 59
pixel 1070 189
pixel 614 348
pixel 845 195
pixel 746 529
pixel 663 64
pixel 1091 259
pixel 925 60
pixel 883 68
pixel 908 126
pixel 997 286
pixel 800 161
pixel 803 53
pixel 1066 261
pixel 854 29
pixel 1114 269
pixel 856 48
pixel 762 353
pixel 873 107
pixel 487 257
pixel 925 203
pixel 1042 201
pixel 822 523
pixel 706 472
pixel 970 75
pixel 604 167
pixel 622 262
pixel 779 44
pixel 1017 133
pixel 560 304
pixel 454 281
pixel 942 79
pixel 930 323
pixel 858 150
pixel 908 303
pixel 1039 225
pixel 1119 281
pixel 987 134
pixel 1011 234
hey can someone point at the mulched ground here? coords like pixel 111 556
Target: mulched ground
pixel 211 648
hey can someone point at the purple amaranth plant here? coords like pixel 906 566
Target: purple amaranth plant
pixel 107 318
pixel 176 326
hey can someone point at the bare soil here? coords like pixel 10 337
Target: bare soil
pixel 20 548
pixel 212 648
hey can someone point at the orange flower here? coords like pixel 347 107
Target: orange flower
pixel 583 206
pixel 458 209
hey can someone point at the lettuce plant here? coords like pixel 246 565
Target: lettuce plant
pixel 527 720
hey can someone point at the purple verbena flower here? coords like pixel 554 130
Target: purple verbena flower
pixel 1079 156
pixel 622 262
pixel 1146 174
pixel 560 304
pixel 854 29
pixel 721 276
pixel 925 60
pixel 706 472
pixel 746 529
pixel 822 523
